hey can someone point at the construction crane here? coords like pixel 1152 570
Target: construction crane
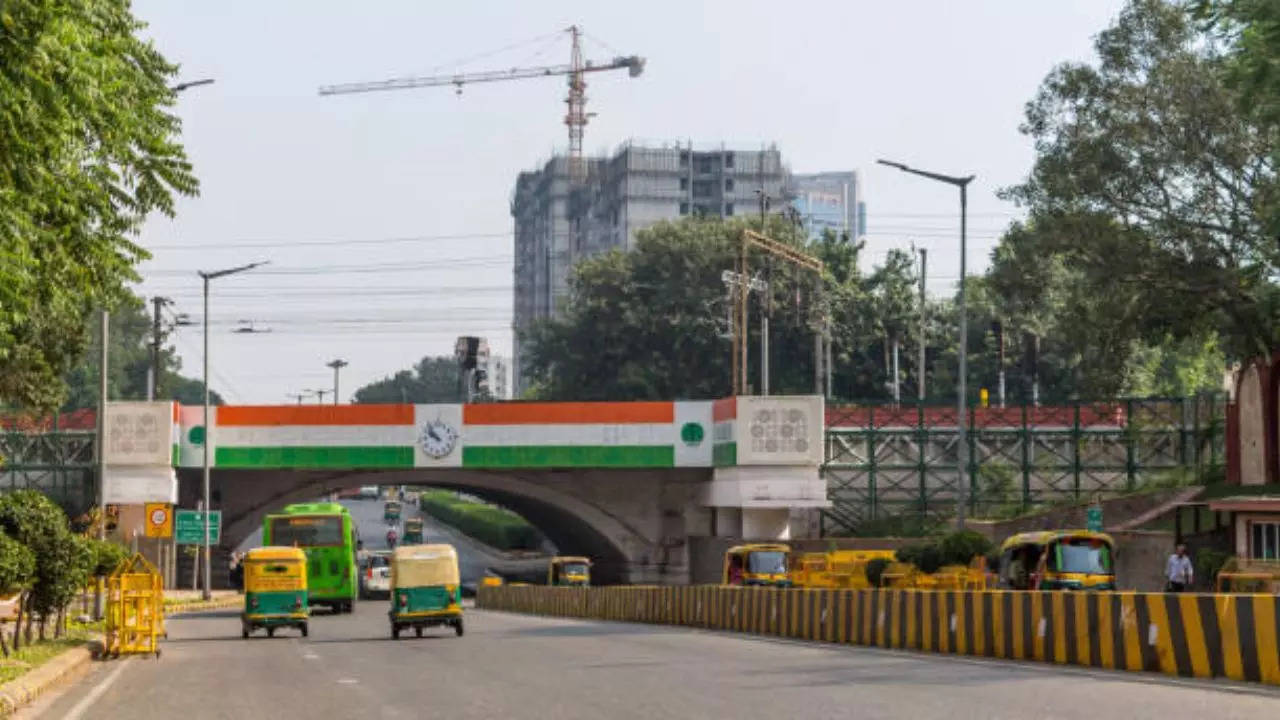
pixel 576 70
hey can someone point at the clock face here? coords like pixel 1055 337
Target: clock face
pixel 438 439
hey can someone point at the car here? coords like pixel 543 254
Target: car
pixel 375 575
pixel 369 492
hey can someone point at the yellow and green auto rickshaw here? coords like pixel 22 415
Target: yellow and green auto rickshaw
pixel 275 590
pixel 412 531
pixel 762 564
pixel 425 589
pixel 569 571
pixel 1058 560
pixel 391 511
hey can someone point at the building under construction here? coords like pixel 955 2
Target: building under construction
pixel 558 222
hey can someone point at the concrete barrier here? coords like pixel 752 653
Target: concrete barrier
pixel 1190 635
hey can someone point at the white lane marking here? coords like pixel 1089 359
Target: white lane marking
pixel 88 700
pixel 347 681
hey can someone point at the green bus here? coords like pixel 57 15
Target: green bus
pixel 327 534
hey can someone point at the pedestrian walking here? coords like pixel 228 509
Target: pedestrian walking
pixel 1178 571
pixel 237 571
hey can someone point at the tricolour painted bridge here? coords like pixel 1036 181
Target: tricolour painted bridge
pixel 630 484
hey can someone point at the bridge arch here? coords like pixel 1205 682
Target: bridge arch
pixel 623 529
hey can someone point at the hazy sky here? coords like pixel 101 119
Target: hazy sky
pixel 385 216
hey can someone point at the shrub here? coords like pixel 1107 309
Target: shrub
pixel 17 565
pixel 106 556
pixel 1209 563
pixel 959 548
pixel 493 526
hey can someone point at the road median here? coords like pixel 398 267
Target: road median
pixel 1202 636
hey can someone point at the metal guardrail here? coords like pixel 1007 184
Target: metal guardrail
pixel 885 461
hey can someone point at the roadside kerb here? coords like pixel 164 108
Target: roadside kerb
pixel 1188 635
pixel 22 691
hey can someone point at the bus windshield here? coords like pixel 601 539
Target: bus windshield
pixel 1081 555
pixel 307 531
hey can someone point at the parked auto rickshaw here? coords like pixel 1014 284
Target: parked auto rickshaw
pixel 425 589
pixel 275 590
pixel 757 564
pixel 570 571
pixel 391 511
pixel 1239 575
pixel 412 531
pixel 1058 560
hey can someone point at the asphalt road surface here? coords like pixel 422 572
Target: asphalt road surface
pixel 512 666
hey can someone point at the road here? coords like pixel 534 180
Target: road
pixel 511 666
pixel 474 558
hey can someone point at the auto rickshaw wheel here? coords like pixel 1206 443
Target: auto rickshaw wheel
pixel 303 628
pixel 457 627
pixel 418 631
pixel 271 632
pixel 395 632
pixel 244 633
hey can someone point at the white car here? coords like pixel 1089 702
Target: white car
pixel 375 575
pixel 368 492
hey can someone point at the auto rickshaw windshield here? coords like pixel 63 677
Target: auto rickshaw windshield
pixel 771 562
pixel 573 569
pixel 1082 555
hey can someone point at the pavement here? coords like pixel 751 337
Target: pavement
pixel 515 666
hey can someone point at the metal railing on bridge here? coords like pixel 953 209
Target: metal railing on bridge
pixel 54 455
pixel 885 461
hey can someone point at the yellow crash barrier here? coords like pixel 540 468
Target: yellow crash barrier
pixel 135 609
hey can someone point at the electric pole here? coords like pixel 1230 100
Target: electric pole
pixel 924 258
pixel 153 371
pixel 337 364
pixel 297 396
pixel 766 307
pixel 320 396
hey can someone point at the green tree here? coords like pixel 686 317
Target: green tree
pixel 435 379
pixel 90 151
pixel 32 519
pixel 128 360
pixel 1148 185
pixel 17 570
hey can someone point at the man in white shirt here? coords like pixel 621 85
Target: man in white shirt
pixel 1178 570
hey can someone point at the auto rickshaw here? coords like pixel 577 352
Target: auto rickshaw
pixel 569 571
pixel 757 564
pixel 412 531
pixel 1058 560
pixel 275 590
pixel 425 589
pixel 391 511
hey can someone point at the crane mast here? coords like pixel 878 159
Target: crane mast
pixel 576 70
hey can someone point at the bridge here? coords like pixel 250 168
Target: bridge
pixel 629 484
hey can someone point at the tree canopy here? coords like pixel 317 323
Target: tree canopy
pixel 89 151
pixel 1147 198
pixel 433 380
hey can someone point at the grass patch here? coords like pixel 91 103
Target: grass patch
pixel 30 657
pixel 493 526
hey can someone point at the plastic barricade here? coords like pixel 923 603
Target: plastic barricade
pixel 135 609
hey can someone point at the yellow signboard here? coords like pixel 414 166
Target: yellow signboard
pixel 159 520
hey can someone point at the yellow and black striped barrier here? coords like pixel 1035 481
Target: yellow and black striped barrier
pixel 1233 636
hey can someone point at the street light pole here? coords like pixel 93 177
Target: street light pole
pixel 208 433
pixel 337 364
pixel 962 410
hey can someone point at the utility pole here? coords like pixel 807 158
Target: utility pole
pixel 297 396
pixel 962 404
pixel 999 332
pixel 206 457
pixel 102 425
pixel 153 371
pixel 920 371
pixel 320 396
pixel 766 307
pixel 336 364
